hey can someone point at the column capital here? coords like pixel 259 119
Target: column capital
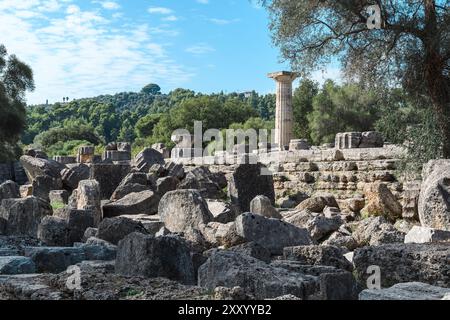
pixel 283 76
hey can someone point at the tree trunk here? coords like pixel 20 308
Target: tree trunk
pixel 438 85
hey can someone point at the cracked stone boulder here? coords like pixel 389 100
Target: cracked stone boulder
pixel 184 211
pixel 381 202
pixel 42 185
pixel 73 174
pixel 146 158
pixel 132 183
pixel 428 263
pixel 272 234
pixel 35 167
pixel 58 259
pixel 115 229
pixel 16 265
pixel 318 255
pixel 249 181
pixel 434 198
pixel 374 231
pixel 426 235
pixel 9 190
pixel 109 176
pixel 318 203
pixel 267 281
pixel 205 181
pixel 23 216
pixel 223 211
pixel 53 232
pixel 257 278
pixel 406 291
pixel 78 221
pixel 144 202
pixel 147 256
pixel 262 205
pixel 88 198
pixel 166 184
pixel 321 227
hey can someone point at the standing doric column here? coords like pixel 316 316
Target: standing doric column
pixel 284 115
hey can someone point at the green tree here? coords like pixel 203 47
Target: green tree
pixel 145 125
pixel 302 105
pixel 15 79
pixel 341 109
pixel 412 47
pixel 152 89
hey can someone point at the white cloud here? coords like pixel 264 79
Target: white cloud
pixel 222 21
pixel 170 18
pixel 160 10
pixel 79 53
pixel 109 5
pixel 200 49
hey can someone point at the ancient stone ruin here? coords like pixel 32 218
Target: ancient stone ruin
pixel 302 222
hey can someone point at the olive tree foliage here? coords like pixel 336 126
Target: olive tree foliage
pixel 15 79
pixel 411 49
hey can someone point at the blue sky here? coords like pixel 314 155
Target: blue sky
pixel 83 48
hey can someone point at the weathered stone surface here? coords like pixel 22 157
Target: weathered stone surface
pixel 26 190
pixel 72 175
pixel 89 233
pixel 381 202
pixel 35 167
pixel 254 250
pixel 299 218
pixel 318 255
pixel 144 202
pixel 58 197
pixel 54 259
pixel 202 179
pixel 23 215
pixel 265 281
pixel 262 205
pixel 356 204
pixel 176 170
pixel 58 259
pixel 320 227
pixel 147 256
pixel 348 140
pixel 115 229
pixel 272 234
pixel 371 139
pixel 434 200
pixel 426 235
pixel 342 240
pixel 223 211
pixel 406 291
pixel 109 176
pixel 317 203
pixel 88 198
pixel 16 265
pixel 53 232
pixel 42 185
pixel 9 190
pixel 375 231
pixel 258 279
pixel 133 182
pixel 78 221
pixel 146 158
pixel 184 210
pixel 166 184
pixel 428 263
pixel 249 181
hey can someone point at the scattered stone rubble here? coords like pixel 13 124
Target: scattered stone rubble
pixel 154 228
